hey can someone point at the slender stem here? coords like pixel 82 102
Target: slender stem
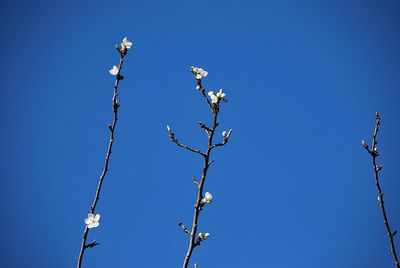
pixel 187 147
pixel 111 127
pixel 374 153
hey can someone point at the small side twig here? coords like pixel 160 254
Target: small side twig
pixel 183 227
pixel 196 182
pixel 188 148
pixel 373 151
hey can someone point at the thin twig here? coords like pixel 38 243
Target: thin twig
pixel 187 147
pixel 115 106
pixel 203 93
pixel 183 227
pixel 375 153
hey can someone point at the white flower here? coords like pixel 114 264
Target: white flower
pixel 114 70
pixel 206 235
pixel 202 236
pixel 224 134
pixel 214 98
pixel 168 128
pixel 221 95
pixel 92 221
pixel 207 198
pixel 126 44
pixel 198 72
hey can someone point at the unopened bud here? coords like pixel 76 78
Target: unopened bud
pixel 364 144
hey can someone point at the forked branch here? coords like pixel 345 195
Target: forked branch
pixel 213 101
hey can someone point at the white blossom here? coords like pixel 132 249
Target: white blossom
pixel 114 70
pixel 221 95
pixel 224 134
pixel 198 72
pixel 214 98
pixel 92 221
pixel 168 128
pixel 202 236
pixel 126 43
pixel 207 198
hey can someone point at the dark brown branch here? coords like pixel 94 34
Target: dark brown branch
pixel 187 147
pixel 111 127
pixel 225 141
pixel 203 93
pixel 197 208
pixel 195 181
pixel 196 240
pixel 207 130
pixel 90 245
pixel 374 154
pixel 183 227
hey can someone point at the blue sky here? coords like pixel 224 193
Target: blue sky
pixel 292 188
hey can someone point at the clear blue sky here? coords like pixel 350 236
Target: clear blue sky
pixel 293 188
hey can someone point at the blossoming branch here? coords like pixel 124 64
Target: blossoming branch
pixel 92 220
pixel 214 103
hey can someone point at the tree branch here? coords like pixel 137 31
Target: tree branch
pixel 111 127
pixel 187 147
pixel 194 238
pixel 374 154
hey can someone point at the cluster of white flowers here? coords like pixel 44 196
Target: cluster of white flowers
pixel 215 98
pixel 198 72
pixel 207 199
pixel 125 45
pixel 92 221
pixel 202 236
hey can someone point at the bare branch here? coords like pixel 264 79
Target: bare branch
pixel 220 144
pixel 94 243
pixel 195 181
pixel 207 130
pixel 203 93
pixel 375 153
pixel 183 227
pixel 188 148
pixel 176 141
